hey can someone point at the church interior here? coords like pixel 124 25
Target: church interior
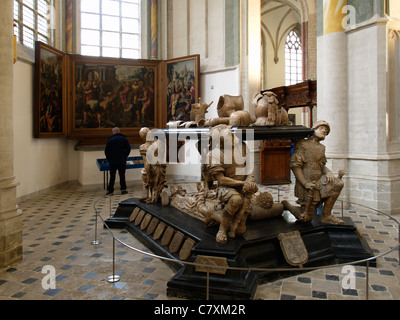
pixel 343 56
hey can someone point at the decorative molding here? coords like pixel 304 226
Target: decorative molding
pixel 9 183
pixel 390 156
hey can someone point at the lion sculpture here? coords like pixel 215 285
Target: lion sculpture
pixel 268 112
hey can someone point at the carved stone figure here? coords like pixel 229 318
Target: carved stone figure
pixel 198 112
pixel 263 207
pixel 315 183
pixel 198 205
pixel 235 186
pixel 228 104
pixel 206 206
pixel 153 174
pixel 268 112
pixel 227 195
pixel 230 112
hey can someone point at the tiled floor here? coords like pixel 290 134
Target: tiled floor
pixel 59 227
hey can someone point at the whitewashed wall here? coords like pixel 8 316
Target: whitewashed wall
pixel 198 27
pixel 39 164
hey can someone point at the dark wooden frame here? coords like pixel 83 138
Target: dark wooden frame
pixel 49 98
pixel 98 136
pixel 90 135
pixel 300 95
pixel 193 59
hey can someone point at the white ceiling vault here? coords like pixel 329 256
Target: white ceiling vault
pixel 278 18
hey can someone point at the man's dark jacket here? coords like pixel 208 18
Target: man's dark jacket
pixel 117 149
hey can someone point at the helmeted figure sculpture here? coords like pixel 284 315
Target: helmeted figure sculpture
pixel 236 183
pixel 153 174
pixel 315 183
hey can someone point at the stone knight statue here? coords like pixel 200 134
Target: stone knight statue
pixel 315 183
pixel 153 174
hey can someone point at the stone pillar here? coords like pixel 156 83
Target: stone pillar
pixel 68 25
pixel 332 76
pixel 10 219
pixel 333 82
pixel 253 50
pixel 154 29
pixel 358 83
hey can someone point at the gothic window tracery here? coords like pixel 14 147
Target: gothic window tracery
pixel 293 59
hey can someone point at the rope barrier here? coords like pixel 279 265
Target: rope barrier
pixel 115 278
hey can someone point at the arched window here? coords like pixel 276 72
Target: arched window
pixel 293 59
pixel 110 28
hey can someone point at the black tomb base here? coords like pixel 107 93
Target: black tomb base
pixel 169 232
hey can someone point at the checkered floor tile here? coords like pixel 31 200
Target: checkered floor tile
pixel 59 226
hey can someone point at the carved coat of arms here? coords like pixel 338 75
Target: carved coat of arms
pixel 293 248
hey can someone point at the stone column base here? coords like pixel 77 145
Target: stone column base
pixel 375 183
pixel 10 238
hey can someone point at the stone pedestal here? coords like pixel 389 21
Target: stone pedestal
pixel 170 233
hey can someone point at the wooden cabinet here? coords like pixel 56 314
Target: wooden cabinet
pixel 275 154
pixel 274 162
pixel 300 95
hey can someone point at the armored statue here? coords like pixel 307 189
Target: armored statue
pixel 230 112
pixel 315 183
pixel 153 174
pixel 228 165
pixel 225 197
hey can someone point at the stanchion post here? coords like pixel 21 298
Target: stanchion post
pixel 114 277
pixel 367 282
pixel 208 284
pixel 95 241
pixel 110 206
pixel 342 208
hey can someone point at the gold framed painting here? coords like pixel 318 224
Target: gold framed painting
pixel 111 92
pixel 84 97
pixel 181 87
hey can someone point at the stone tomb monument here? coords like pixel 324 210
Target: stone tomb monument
pixel 228 223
